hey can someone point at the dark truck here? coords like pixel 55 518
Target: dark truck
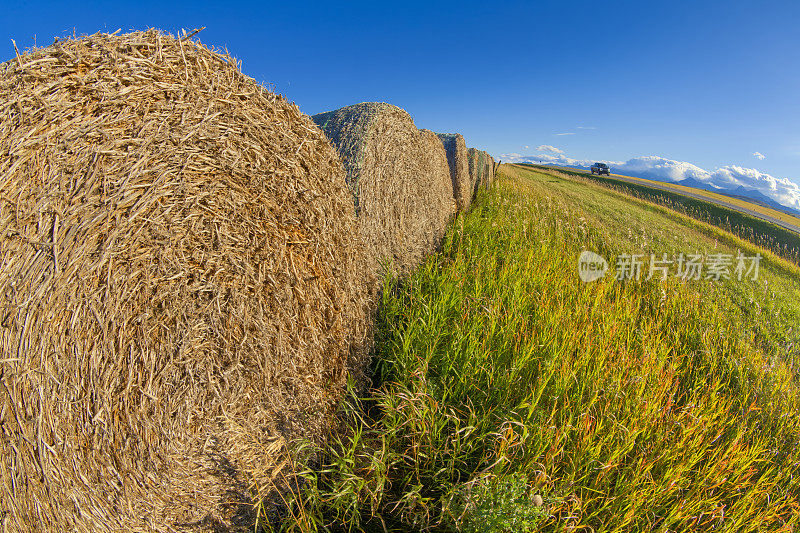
pixel 600 169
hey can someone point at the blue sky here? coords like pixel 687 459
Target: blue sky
pixel 709 83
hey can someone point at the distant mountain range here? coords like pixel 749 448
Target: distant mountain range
pixel 697 184
pixel 742 193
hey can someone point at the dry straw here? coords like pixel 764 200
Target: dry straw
pixel 475 166
pixel 182 286
pixel 398 177
pixel 441 181
pixel 456 150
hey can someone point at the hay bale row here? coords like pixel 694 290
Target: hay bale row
pixel 182 282
pixel 398 177
pixel 476 167
pixel 481 169
pixel 488 175
pixel 457 159
pixel 491 171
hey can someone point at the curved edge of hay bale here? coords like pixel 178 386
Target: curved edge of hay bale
pixel 396 178
pixel 350 129
pixel 197 297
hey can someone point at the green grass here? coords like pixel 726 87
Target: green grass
pixel 782 242
pixel 500 378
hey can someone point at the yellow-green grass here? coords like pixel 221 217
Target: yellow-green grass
pixel 626 406
pixel 757 208
pixel 763 233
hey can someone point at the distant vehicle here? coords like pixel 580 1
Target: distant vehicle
pixel 600 169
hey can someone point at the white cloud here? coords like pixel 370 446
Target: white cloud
pixel 658 168
pixel 586 128
pixel 569 133
pixel 779 189
pixel 759 156
pixel 550 159
pixel 548 148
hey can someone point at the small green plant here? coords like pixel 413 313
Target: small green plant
pixel 498 505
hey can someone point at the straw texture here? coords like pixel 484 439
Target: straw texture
pixel 490 170
pixel 398 177
pixel 456 150
pixel 481 169
pixel 441 182
pixel 181 280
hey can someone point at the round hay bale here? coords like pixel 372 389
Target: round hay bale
pixel 489 170
pixel 400 185
pixel 456 150
pixel 433 148
pixel 474 168
pixel 182 285
pixel 478 166
pixel 481 169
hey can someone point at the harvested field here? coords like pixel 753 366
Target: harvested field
pixel 398 177
pixel 456 150
pixel 182 285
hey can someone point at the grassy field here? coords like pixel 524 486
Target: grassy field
pixel 765 234
pixel 511 396
pixel 758 208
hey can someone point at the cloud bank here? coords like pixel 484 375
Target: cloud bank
pixel 548 148
pixel 658 168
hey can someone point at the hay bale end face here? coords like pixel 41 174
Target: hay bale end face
pixel 399 183
pixel 182 284
pixel 457 159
